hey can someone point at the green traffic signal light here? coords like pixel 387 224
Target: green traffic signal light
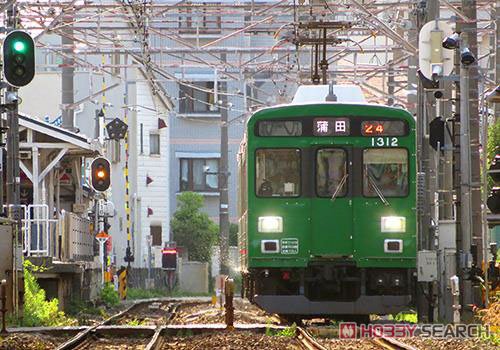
pixel 19 46
pixel 18 58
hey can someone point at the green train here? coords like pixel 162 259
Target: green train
pixel 327 208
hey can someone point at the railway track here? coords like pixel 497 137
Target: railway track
pixel 164 327
pixel 314 338
pixel 388 343
pixel 150 310
pixel 306 341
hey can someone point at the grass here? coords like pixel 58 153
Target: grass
pixel 285 332
pixel 410 317
pixel 135 322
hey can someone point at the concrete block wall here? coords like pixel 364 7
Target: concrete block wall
pixel 193 276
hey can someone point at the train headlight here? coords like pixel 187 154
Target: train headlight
pixel 270 224
pixel 393 224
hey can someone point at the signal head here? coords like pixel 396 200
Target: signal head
pixel 466 57
pixel 100 174
pixel 18 58
pixel 452 42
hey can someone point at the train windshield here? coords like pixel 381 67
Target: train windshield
pixel 277 172
pixel 385 172
pixel 331 172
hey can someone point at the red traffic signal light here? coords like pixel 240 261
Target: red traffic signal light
pixel 18 58
pixel 101 174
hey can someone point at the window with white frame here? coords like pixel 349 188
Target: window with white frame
pixel 199 174
pixel 154 143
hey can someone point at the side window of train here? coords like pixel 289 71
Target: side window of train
pixel 277 172
pixel 385 170
pixel 331 172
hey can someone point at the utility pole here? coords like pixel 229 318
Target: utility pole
pixel 223 178
pixel 67 76
pixel 470 30
pixel 467 165
pixel 426 174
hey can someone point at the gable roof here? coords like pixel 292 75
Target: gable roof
pixel 78 140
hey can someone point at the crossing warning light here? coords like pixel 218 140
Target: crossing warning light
pixel 18 58
pixel 101 174
pixel 169 258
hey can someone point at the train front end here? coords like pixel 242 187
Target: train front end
pixel 327 209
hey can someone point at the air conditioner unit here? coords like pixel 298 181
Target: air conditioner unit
pixel 24 154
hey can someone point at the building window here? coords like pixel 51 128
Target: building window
pixel 154 143
pixel 198 98
pixel 199 175
pixel 203 20
pixel 155 232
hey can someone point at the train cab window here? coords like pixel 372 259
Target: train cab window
pixel 331 172
pixel 280 128
pixel 277 172
pixel 385 172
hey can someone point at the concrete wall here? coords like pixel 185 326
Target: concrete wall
pixel 193 277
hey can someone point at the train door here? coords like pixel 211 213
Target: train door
pixel 331 204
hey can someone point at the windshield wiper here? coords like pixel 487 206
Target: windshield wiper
pixel 377 189
pixel 337 190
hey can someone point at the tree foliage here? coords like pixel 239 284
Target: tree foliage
pixel 193 229
pixel 493 146
pixel 38 311
pixel 493 140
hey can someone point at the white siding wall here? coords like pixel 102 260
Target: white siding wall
pixel 156 194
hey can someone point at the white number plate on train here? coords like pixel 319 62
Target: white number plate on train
pixel 385 141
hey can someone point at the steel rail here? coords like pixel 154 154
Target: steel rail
pixel 392 344
pixel 306 341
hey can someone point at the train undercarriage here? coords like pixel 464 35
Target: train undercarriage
pixel 327 290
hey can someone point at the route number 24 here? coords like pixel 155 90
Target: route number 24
pixel 385 141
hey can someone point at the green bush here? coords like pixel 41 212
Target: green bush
pixel 109 296
pixel 37 310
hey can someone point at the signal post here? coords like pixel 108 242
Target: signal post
pixel 18 71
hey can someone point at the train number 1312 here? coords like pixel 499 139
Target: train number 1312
pixel 385 141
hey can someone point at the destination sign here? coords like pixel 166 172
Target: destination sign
pixel 383 128
pixel 331 126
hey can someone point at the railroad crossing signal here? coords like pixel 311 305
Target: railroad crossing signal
pixel 493 200
pixel 101 174
pixel 169 259
pixel 18 58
